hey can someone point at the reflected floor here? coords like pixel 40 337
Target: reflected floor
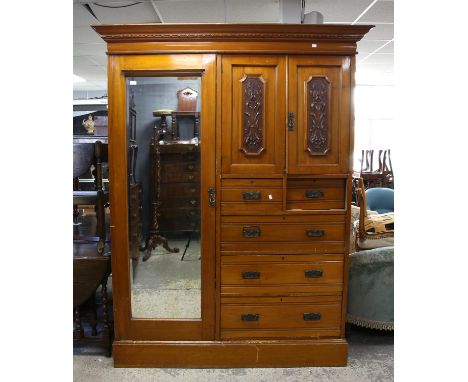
pixel 166 287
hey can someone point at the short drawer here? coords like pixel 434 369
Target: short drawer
pixel 180 177
pixel 251 196
pixel 280 317
pixel 315 194
pixel 249 275
pixel 180 190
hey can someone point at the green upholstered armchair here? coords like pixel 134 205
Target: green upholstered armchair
pixel 370 290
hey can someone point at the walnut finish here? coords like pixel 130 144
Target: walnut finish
pixel 277 113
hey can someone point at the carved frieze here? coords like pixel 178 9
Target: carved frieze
pixel 253 94
pixel 318 115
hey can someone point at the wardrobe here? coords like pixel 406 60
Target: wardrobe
pixel 264 280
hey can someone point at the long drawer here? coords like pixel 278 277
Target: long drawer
pixel 279 275
pixel 315 194
pixel 251 196
pixel 294 234
pixel 276 317
pixel 305 232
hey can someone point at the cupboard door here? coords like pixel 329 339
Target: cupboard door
pixel 319 115
pixel 253 115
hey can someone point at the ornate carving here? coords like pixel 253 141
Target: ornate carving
pixel 318 115
pixel 253 89
pixel 231 36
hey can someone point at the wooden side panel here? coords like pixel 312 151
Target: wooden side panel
pixel 319 91
pixel 253 114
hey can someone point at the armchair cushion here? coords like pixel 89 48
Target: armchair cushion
pixel 370 290
pixel 380 199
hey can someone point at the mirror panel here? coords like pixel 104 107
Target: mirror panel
pixel 164 135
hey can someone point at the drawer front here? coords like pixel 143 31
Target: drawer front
pixel 180 177
pixel 180 190
pixel 315 194
pixel 284 272
pixel 188 167
pixel 282 315
pixel 291 232
pixel 251 196
pixel 266 278
pixel 179 219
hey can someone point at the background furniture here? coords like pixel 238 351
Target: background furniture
pixel 275 187
pixel 135 188
pixel 380 199
pixel 187 107
pixel 380 177
pixel 366 237
pixel 370 291
pixel 91 266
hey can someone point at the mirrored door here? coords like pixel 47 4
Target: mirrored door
pixel 170 177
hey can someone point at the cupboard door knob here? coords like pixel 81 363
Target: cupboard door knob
pixel 315 232
pixel 313 194
pixel 251 195
pixel 250 275
pixel 250 317
pixel 312 316
pixel 313 274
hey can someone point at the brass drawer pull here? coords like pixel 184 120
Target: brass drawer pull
pixel 190 177
pixel 251 195
pixel 250 275
pixel 249 232
pixel 193 202
pixel 190 167
pixel 313 274
pixel 313 194
pixel 315 232
pixel 250 317
pixel 312 316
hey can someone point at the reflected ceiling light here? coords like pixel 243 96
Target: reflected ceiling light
pixel 77 79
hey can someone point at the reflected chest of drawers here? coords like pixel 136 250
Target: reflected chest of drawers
pixel 179 187
pixel 269 184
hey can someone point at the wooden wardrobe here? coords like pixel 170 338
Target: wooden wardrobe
pixel 276 121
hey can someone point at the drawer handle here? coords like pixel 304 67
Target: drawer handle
pixel 250 275
pixel 250 317
pixel 190 167
pixel 193 202
pixel 249 232
pixel 313 274
pixel 313 194
pixel 251 195
pixel 190 177
pixel 315 232
pixel 312 316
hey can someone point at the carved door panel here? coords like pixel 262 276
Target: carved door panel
pixel 253 115
pixel 319 115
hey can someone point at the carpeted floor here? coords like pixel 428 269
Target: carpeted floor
pixel 370 360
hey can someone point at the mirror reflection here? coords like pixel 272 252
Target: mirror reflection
pixel 164 137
